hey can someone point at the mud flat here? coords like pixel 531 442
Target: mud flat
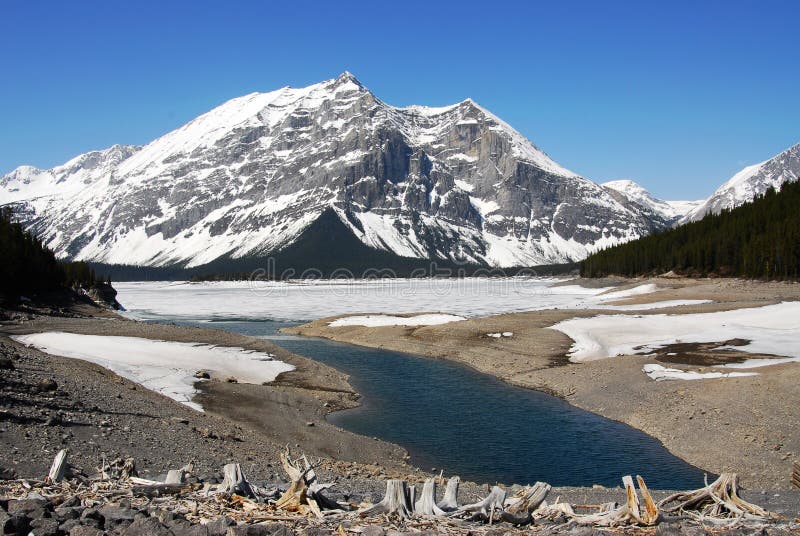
pixel 747 425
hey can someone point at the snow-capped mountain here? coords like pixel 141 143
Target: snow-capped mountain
pixel 252 175
pixel 749 183
pixel 670 211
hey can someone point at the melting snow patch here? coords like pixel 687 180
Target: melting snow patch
pixel 771 330
pixel 389 320
pixel 503 334
pixel 162 366
pixel 654 305
pixel 659 373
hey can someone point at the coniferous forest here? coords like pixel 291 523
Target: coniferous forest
pixel 756 240
pixel 28 266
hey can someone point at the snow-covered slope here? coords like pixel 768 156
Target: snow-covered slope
pixel 247 178
pixel 670 211
pixel 750 182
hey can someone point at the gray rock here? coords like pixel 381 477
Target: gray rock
pixel 219 527
pixel 84 530
pixel 148 526
pixel 32 508
pixel 189 530
pixel 278 529
pixel 373 530
pixel 66 526
pixel 115 516
pixel 91 517
pixel 47 385
pixel 317 531
pixel 44 526
pixel 66 513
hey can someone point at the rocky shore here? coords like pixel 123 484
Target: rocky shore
pixel 48 403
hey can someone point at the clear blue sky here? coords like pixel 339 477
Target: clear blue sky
pixel 676 95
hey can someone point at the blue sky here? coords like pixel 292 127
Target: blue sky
pixel 676 95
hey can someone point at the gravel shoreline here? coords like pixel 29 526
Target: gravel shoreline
pixel 99 415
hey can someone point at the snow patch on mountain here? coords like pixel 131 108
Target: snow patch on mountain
pixel 749 183
pixel 669 210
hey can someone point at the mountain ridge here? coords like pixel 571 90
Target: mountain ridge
pixel 750 182
pixel 246 178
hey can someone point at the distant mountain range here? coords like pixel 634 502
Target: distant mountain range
pixel 328 173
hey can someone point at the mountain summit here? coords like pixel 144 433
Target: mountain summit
pixel 750 182
pixel 250 177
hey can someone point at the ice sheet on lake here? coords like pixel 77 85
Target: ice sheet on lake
pixel 659 373
pixel 389 320
pixel 771 330
pixel 162 366
pixel 294 301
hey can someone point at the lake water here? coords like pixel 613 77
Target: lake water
pixel 452 418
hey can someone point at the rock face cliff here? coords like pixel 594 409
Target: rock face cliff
pixel 246 179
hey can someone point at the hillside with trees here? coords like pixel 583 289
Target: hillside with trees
pixel 756 240
pixel 27 266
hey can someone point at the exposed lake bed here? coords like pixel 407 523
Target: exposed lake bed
pixel 607 387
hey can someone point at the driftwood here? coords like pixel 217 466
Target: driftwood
pixel 59 468
pixel 720 499
pixel 396 502
pixel 449 502
pixel 529 499
pixel 488 506
pixel 235 481
pixel 164 490
pixel 426 504
pixel 304 493
pixel 519 508
pixel 118 469
pixel 629 513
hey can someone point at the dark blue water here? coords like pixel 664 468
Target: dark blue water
pixel 450 417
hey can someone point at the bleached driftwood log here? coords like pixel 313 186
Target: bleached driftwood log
pixel 396 502
pixel 58 468
pixel 235 482
pixel 518 509
pixel 720 499
pixel 449 502
pixel 304 492
pixel 528 499
pixel 489 506
pixel 630 512
pixel 426 504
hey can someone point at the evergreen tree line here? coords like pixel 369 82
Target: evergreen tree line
pixel 760 239
pixel 28 266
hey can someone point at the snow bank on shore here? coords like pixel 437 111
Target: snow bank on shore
pixel 771 330
pixel 659 373
pixel 162 366
pixel 390 320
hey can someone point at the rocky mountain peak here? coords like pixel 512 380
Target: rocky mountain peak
pixel 247 178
